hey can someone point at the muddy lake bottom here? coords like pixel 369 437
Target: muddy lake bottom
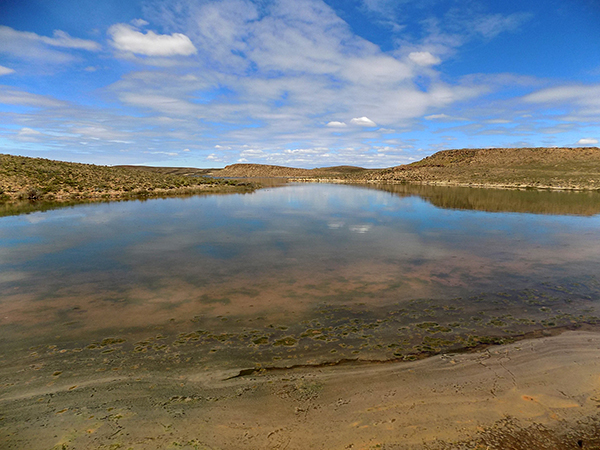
pixel 303 316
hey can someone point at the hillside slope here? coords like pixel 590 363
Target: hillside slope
pixel 559 168
pixel 23 178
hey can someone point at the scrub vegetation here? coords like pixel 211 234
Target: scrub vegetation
pixel 37 179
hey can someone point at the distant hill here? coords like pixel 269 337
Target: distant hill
pixel 551 168
pixel 181 171
pixel 559 168
pixel 263 171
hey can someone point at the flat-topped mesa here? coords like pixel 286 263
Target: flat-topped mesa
pixel 547 168
pixel 511 156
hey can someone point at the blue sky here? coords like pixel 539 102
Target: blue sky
pixel 304 83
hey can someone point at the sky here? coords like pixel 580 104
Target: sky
pixel 301 83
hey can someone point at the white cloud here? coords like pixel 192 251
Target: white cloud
pixel 62 39
pixel 498 121
pixel 165 153
pixel 13 96
pixel 10 38
pixel 161 103
pixel 438 117
pixel 263 74
pixel 139 23
pixel 424 58
pixel 492 25
pixel 582 94
pixel 363 122
pixel 127 39
pixel 587 141
pixel 5 70
pixel 582 101
pixel 27 45
pixel 27 134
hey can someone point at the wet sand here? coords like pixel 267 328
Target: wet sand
pixel 540 393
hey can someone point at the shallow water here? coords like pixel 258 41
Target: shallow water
pixel 301 274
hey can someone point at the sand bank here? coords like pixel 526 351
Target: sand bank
pixel 541 393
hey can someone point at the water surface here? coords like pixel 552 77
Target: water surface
pixel 301 274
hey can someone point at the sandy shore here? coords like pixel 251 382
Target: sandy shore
pixel 541 393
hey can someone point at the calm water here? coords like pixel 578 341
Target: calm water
pixel 300 274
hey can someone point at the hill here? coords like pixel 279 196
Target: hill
pixel 263 171
pixel 542 168
pixel 23 178
pixel 553 168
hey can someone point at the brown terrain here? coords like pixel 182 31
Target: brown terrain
pixel 39 180
pixel 541 168
pixel 36 179
pixel 533 394
pixel 263 171
pixel 539 394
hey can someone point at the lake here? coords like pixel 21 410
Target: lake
pixel 303 274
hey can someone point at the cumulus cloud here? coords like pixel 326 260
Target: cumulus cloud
pixel 587 141
pixel 424 58
pixel 263 74
pixel 363 122
pixel 5 70
pixel 127 39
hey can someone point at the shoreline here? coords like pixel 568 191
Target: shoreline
pixel 506 396
pixel 521 187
